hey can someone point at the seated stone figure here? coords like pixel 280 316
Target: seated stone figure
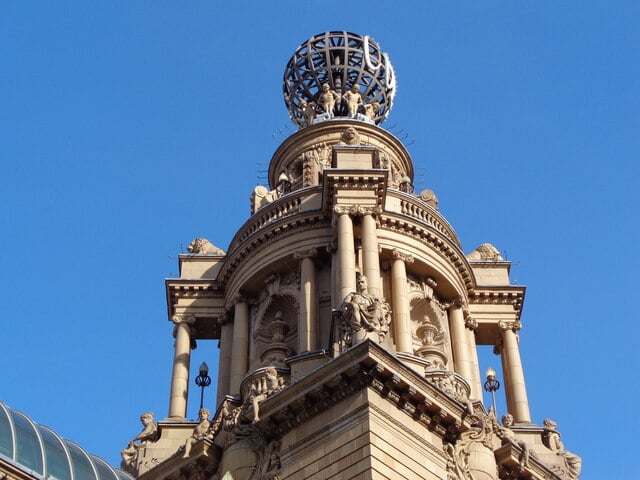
pixel 508 436
pixel 200 432
pixel 363 310
pixel 149 433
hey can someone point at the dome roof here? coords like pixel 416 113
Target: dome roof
pixel 42 453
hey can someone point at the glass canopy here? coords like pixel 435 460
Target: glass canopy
pixel 42 453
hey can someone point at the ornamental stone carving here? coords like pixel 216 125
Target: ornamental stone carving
pixel 429 197
pixel 149 434
pixel 485 253
pixel 202 246
pixel 471 456
pixel 350 137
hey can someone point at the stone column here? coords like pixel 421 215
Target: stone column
pixel 240 345
pixel 224 369
pixel 471 325
pixel 400 309
pixel 346 254
pixel 181 361
pixel 307 330
pixel 459 342
pixel 515 389
pixel 370 253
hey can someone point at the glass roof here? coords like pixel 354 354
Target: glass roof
pixel 42 453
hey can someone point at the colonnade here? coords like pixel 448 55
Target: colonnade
pixel 234 337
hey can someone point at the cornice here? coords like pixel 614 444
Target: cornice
pixel 366 365
pixel 311 220
pixel 428 235
pixel 176 288
pixel 507 295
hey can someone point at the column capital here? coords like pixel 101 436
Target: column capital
pixel 309 253
pixel 357 210
pixel 179 319
pixel 471 323
pixel 514 326
pixel 405 257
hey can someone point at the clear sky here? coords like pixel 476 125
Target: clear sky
pixel 129 128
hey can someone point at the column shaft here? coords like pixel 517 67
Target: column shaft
pixel 224 368
pixel 370 255
pixel 400 306
pixel 516 392
pixel 307 320
pixel 461 353
pixel 240 349
pixel 346 257
pixel 476 382
pixel 180 375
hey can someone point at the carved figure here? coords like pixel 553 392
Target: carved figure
pixel 354 100
pixel 327 99
pixel 363 310
pixel 271 384
pixel 350 137
pixel 370 110
pixel 149 433
pixel 308 112
pixel 485 252
pixel 551 439
pixel 201 431
pixel 508 436
pixel 202 245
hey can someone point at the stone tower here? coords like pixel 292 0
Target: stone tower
pixel 347 314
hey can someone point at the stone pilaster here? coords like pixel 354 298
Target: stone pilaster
pixel 400 309
pixel 181 362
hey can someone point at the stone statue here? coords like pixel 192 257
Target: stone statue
pixel 308 111
pixel 551 440
pixel 508 437
pixel 148 434
pixel 486 252
pixel 370 110
pixel 354 100
pixel 201 431
pixel 365 311
pixel 202 245
pixel 271 383
pixel 327 99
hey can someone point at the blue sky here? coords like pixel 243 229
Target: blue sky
pixel 129 128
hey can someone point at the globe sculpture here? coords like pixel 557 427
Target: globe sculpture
pixel 338 75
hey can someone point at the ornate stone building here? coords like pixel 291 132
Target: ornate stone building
pixel 347 314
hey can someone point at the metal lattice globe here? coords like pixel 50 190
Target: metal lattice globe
pixel 341 60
